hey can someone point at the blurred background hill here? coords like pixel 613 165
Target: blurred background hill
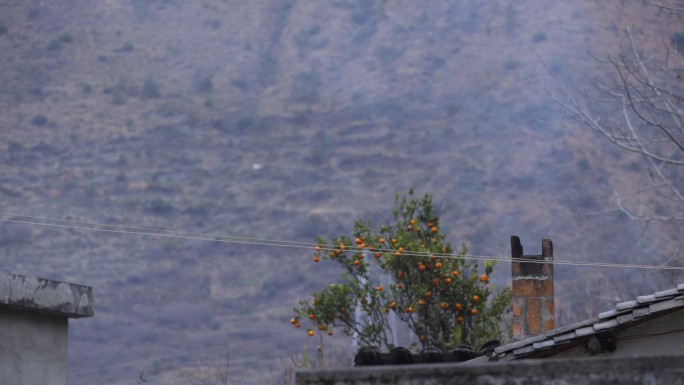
pixel 287 120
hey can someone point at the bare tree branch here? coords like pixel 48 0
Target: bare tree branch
pixel 641 111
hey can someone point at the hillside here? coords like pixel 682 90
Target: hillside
pixel 287 120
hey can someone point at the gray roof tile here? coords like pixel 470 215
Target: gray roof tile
pixel 629 317
pixel 607 314
pixel 666 305
pixel 564 337
pixel 525 350
pixel 667 293
pixel 518 344
pixel 642 312
pixel 543 344
pixel 642 299
pixel 626 305
pixel 606 325
pixel 585 331
pixel 622 315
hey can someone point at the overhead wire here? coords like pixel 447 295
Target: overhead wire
pixel 147 231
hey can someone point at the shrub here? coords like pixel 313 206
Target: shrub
pixel 39 120
pixel 306 87
pixel 405 268
pixel 539 37
pixel 204 85
pixel 677 40
pixel 150 89
pixel 126 47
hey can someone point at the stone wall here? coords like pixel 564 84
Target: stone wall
pixel 658 370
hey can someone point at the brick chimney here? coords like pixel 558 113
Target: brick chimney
pixel 533 307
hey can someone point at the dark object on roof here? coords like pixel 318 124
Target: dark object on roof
pixel 401 356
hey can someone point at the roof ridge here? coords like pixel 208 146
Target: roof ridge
pixel 622 315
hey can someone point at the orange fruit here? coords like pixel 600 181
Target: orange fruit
pixel 311 316
pixel 473 311
pixel 379 288
pixel 459 319
pixel 398 253
pixel 484 278
pixel 435 281
pixel 316 259
pixel 382 240
pixel 377 255
pixel 438 265
pixel 318 247
pixel 311 333
pixel 394 241
pixel 293 321
pixel 458 307
pixel 454 273
pixel 410 310
pixel 428 294
pixel 476 298
pixel 330 332
pixel 401 274
pixel 358 241
pixel 433 229
pixel 421 302
pixel 422 267
pixel 400 286
pixel 413 221
pixel 357 262
pixel 297 325
pixel 447 280
pixel 342 246
pixel 443 306
pixel 321 327
pixel 393 305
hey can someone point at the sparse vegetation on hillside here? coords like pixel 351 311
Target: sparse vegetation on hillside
pixel 287 120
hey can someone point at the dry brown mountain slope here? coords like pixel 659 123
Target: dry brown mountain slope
pixel 287 120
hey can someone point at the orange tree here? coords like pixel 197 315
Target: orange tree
pixel 442 297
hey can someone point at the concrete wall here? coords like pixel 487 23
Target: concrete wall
pixel 33 348
pixel 34 316
pixel 653 370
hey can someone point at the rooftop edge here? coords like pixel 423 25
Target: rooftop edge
pixel 45 296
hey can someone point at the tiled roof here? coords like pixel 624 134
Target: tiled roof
pixel 401 356
pixel 625 314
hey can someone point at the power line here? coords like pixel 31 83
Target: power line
pixel 133 230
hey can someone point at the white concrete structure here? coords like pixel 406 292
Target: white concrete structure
pixel 34 315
